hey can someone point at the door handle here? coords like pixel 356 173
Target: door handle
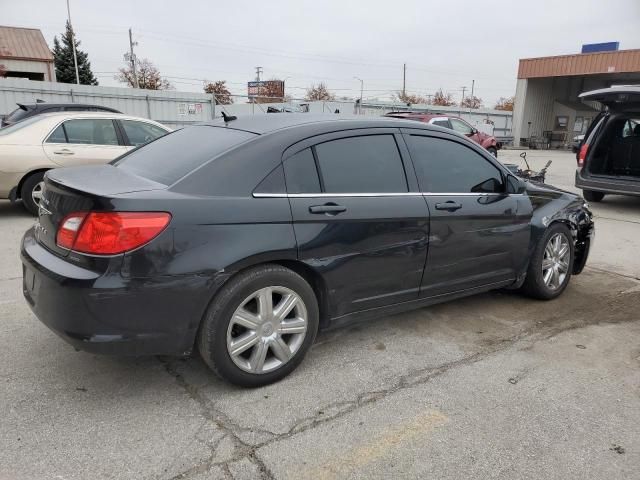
pixel 450 206
pixel 64 151
pixel 328 208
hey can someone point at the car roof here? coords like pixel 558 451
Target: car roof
pixel 612 90
pixel 93 115
pixel 41 105
pixel 267 123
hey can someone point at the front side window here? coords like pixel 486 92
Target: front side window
pixel 140 133
pixel 91 131
pixel 446 166
pixel 461 127
pixel 365 164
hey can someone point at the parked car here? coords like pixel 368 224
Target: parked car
pixel 609 158
pixel 453 123
pixel 29 110
pixel 241 239
pixel 31 147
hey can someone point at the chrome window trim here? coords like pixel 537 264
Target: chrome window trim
pixel 403 194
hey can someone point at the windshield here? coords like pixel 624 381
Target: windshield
pixel 19 125
pixel 171 157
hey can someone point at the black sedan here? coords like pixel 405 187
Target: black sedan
pixel 242 238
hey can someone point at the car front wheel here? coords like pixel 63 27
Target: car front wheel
pixel 260 326
pixel 551 264
pixel 493 151
pixel 592 196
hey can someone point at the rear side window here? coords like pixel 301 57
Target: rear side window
pixel 445 166
pixel 365 164
pixel 91 131
pixel 301 174
pixel 169 158
pixel 442 123
pixel 57 136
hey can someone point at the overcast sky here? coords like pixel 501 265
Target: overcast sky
pixel 446 44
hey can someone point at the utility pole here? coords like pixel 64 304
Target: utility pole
pixel 132 59
pixel 73 44
pixel 464 89
pixel 473 84
pixel 404 80
pixel 258 72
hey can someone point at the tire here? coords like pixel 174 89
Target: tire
pixel 493 151
pixel 29 187
pixel 534 284
pixel 592 196
pixel 238 305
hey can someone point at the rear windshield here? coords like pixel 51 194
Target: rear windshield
pixel 19 126
pixel 17 115
pixel 171 157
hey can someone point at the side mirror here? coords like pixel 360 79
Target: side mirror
pixel 516 185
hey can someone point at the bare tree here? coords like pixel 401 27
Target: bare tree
pixel 221 92
pixel 443 100
pixel 504 104
pixel 270 92
pixel 404 97
pixel 471 102
pixel 148 76
pixel 320 92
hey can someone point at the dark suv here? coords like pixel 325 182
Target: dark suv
pixel 29 110
pixel 609 156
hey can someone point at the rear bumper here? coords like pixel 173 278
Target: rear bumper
pixel 618 185
pixel 107 313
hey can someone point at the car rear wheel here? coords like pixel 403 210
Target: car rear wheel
pixel 260 326
pixel 493 151
pixel 551 264
pixel 591 196
pixel 31 192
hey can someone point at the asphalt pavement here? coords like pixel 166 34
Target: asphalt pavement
pixel 492 386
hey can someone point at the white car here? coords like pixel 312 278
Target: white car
pixel 31 147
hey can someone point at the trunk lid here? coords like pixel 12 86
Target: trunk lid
pixel 81 189
pixel 619 99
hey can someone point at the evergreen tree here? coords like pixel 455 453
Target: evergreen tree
pixel 63 59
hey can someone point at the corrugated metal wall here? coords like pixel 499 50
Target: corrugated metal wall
pixel 166 106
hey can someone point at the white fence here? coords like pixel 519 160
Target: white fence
pixel 176 109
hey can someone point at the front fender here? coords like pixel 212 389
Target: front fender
pixel 552 205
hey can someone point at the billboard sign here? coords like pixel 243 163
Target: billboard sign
pixel 600 47
pixel 268 88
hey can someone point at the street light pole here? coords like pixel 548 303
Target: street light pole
pixel 361 90
pixel 73 44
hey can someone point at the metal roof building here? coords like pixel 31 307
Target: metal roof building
pixel 25 54
pixel 547 109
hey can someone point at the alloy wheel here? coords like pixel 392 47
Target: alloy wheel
pixel 555 263
pixel 36 193
pixel 267 329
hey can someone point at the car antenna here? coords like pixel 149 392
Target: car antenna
pixel 228 118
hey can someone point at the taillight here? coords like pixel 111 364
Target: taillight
pixel 583 154
pixel 109 233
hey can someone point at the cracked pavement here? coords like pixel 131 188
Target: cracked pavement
pixel 492 386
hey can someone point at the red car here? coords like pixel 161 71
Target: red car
pixel 454 123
